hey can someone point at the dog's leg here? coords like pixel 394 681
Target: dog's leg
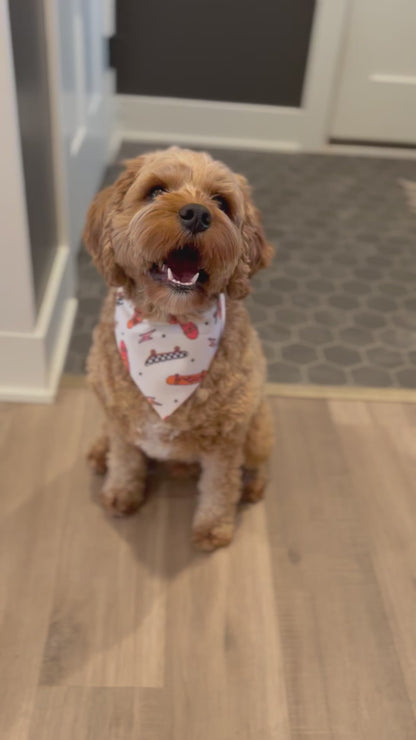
pixel 97 454
pixel 219 488
pixel 257 450
pixel 123 490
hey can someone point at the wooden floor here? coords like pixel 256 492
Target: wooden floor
pixel 304 629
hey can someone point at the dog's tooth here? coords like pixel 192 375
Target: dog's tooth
pixel 183 284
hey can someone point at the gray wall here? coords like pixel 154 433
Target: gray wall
pixel 251 51
pixel 29 52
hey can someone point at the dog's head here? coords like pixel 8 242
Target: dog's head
pixel 176 229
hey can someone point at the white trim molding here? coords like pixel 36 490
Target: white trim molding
pixel 394 79
pixel 32 362
pixel 241 125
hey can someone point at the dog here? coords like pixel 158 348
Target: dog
pixel 175 361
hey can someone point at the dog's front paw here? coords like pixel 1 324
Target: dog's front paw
pixel 209 537
pixel 121 501
pixel 97 455
pixel 254 484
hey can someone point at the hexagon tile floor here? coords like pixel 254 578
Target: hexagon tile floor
pixel 338 305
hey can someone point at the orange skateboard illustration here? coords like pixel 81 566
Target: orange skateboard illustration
pixel 135 319
pixel 189 328
pixel 186 379
pixel 218 311
pixel 124 355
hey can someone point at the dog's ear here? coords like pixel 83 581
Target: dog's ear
pixel 98 228
pixel 258 252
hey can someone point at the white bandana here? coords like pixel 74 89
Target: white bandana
pixel 167 361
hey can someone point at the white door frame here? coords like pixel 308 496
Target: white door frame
pixel 250 126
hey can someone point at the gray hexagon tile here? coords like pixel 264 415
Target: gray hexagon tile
pixel 299 353
pixel 385 357
pixel 315 336
pixel 342 356
pixel 326 374
pixel 338 304
pixel 356 336
pixel 407 377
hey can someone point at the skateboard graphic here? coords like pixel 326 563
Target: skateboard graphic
pixel 146 336
pixel 189 328
pixel 176 354
pixel 152 401
pixel 137 318
pixel 218 311
pixel 124 355
pixel 186 379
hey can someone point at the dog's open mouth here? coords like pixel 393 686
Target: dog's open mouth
pixel 181 269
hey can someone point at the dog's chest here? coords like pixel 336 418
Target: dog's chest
pixel 160 442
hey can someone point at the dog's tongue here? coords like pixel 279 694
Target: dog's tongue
pixel 184 263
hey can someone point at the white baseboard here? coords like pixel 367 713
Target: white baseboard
pixel 32 362
pixel 194 140
pixel 208 123
pixel 366 150
pixel 229 125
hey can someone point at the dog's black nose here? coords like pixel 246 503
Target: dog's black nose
pixel 195 217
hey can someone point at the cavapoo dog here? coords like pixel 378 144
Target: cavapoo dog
pixel 175 361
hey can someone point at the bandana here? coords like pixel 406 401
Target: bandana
pixel 167 361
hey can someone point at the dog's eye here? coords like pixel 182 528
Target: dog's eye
pixel 222 203
pixel 155 191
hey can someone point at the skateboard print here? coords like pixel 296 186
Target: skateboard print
pixel 146 336
pixel 137 318
pixel 189 328
pixel 152 401
pixel 176 354
pixel 124 355
pixel 218 311
pixel 186 379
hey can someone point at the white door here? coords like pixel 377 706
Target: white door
pixel 85 90
pixel 376 98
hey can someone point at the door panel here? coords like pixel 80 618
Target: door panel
pixel 253 51
pixel 377 92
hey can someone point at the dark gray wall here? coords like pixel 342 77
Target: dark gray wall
pixel 29 52
pixel 251 51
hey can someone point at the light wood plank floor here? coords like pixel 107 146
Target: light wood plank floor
pixel 304 629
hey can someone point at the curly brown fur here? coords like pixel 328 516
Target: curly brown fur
pixel 224 426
